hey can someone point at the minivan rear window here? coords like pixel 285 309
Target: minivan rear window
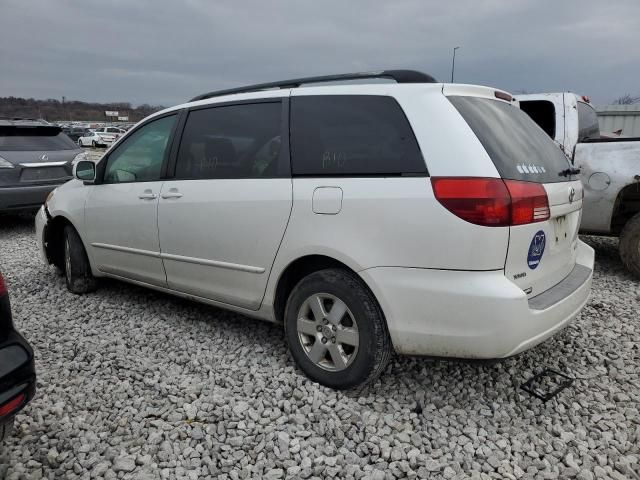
pixel 519 149
pixel 352 135
pixel 34 138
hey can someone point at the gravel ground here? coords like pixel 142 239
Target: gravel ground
pixel 137 384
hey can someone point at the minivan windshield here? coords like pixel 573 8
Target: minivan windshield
pixel 519 149
pixel 15 138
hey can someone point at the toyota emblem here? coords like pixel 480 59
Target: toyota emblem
pixel 572 194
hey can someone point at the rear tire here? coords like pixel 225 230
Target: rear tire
pixel 629 246
pixel 336 330
pixel 80 143
pixel 93 144
pixel 77 269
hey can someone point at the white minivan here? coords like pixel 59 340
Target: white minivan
pixel 426 218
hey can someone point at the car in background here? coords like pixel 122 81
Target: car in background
pixel 35 158
pixel 17 370
pixel 608 165
pixel 97 138
pixel 74 133
pixel 111 130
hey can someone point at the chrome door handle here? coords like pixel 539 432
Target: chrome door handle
pixel 172 194
pixel 147 196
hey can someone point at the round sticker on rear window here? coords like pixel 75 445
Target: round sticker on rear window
pixel 536 249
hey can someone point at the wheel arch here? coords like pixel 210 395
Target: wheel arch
pixel 54 239
pixel 626 205
pixel 299 268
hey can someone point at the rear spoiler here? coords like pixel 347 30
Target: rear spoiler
pixel 478 91
pixel 30 130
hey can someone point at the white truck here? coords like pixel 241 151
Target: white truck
pixel 609 168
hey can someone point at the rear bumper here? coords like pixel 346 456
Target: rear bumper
pixel 479 315
pixel 28 197
pixel 17 372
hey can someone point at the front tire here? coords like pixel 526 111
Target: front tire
pixel 93 144
pixel 629 246
pixel 80 143
pixel 77 269
pixel 335 329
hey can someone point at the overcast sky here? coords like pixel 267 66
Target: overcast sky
pixel 165 52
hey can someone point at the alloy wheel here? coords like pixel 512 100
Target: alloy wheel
pixel 328 332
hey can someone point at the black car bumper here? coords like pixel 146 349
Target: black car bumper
pixel 17 375
pixel 28 197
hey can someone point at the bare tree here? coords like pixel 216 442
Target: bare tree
pixel 626 99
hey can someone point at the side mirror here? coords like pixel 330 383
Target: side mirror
pixel 85 170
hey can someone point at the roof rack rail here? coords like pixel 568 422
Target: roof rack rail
pixel 400 76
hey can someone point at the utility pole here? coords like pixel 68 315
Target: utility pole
pixel 453 62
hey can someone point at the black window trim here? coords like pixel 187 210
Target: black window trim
pixel 285 156
pixel 424 174
pixel 101 166
pixel 578 112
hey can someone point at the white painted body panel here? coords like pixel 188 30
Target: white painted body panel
pixel 468 314
pixel 121 231
pixel 68 201
pixel 388 222
pixel 219 239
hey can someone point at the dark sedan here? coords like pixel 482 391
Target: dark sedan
pixel 17 372
pixel 35 158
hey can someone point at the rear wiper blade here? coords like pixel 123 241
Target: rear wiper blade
pixel 569 171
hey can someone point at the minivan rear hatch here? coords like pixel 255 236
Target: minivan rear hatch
pixel 541 252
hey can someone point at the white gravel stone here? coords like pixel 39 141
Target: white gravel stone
pixel 138 384
pixel 124 464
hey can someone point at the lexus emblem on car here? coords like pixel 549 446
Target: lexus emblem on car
pixel 572 194
pixel 44 157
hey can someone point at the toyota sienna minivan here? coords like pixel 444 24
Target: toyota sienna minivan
pixel 417 217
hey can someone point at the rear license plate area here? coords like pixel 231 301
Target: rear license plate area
pixel 35 174
pixel 561 229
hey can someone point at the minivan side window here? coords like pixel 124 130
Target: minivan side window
pixel 233 141
pixel 352 135
pixel 588 127
pixel 139 157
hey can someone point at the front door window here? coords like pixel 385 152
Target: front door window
pixel 139 157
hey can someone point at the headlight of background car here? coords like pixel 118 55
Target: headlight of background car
pixel 79 157
pixel 5 163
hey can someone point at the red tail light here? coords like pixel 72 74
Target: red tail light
pixel 492 202
pixel 12 405
pixel 529 202
pixel 3 286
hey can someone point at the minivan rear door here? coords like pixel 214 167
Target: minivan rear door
pixel 543 252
